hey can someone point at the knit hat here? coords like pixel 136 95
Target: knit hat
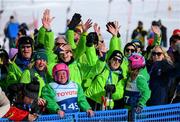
pixel 31 90
pixel 40 55
pixel 176 31
pixel 25 40
pixel 117 54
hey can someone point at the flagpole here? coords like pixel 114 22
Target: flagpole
pixel 129 20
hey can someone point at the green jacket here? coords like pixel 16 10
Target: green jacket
pixel 46 39
pixel 27 78
pixel 80 71
pixel 96 89
pixel 78 50
pixel 49 95
pixel 137 92
pixel 14 74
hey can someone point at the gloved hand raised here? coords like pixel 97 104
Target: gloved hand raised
pixel 76 19
pixel 91 37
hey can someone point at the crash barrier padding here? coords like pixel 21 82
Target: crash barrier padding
pixel 167 113
pixel 103 116
pixel 56 118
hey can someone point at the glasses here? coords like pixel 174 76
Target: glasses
pixel 116 59
pixel 25 47
pixel 156 53
pixel 132 50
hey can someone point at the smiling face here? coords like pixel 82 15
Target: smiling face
pixel 157 54
pixel 61 76
pixel 115 63
pixel 129 50
pixel 26 51
pixel 40 64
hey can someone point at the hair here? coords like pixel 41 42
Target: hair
pixel 174 38
pixel 129 44
pixel 166 56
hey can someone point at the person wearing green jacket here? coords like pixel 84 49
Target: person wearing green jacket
pixel 110 75
pixel 64 95
pixel 22 60
pixel 38 70
pixel 137 91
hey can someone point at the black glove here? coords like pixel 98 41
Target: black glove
pixel 91 38
pixel 110 88
pixel 76 19
pixel 138 109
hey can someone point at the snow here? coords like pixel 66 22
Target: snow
pixel 99 11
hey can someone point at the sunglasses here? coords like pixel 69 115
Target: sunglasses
pixel 25 47
pixel 132 50
pixel 156 53
pixel 116 59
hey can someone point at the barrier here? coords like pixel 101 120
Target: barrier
pixel 170 112
pixel 160 113
pixel 103 116
pixel 56 118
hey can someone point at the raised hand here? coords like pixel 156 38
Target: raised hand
pixel 113 28
pixel 47 19
pixel 87 25
pixel 97 28
pixel 76 19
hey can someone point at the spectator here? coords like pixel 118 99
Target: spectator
pixel 21 61
pixel 63 95
pixel 159 67
pixel 11 31
pixel 137 91
pixel 139 33
pixel 24 106
pixel 4 63
pixel 163 34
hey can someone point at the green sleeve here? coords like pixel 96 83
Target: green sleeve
pixel 25 78
pixel 157 40
pixel 49 95
pixel 41 35
pixel 14 74
pixel 88 71
pixel 91 55
pixel 142 85
pixel 82 102
pixel 81 47
pixel 115 44
pixel 49 41
pixel 70 38
pixel 119 90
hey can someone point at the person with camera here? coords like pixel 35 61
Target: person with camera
pixel 64 95
pixel 25 105
pixel 108 85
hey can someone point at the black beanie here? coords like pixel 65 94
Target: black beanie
pixel 31 90
pixel 25 40
pixel 116 53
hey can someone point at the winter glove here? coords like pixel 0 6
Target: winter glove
pixel 138 109
pixel 91 38
pixel 76 19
